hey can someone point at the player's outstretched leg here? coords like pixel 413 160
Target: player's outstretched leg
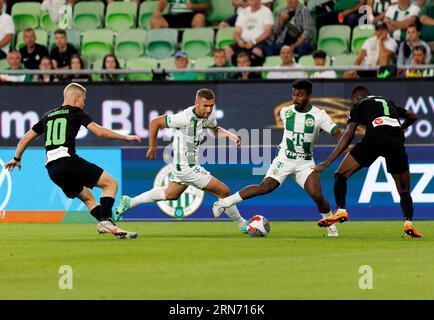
pixel 266 186
pixel 313 187
pixel 402 182
pixel 109 188
pixel 172 192
pixel 346 169
pixel 220 190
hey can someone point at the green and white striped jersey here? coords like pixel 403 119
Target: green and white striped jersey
pixel 189 134
pixel 301 131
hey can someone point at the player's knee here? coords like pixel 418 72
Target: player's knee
pixel 340 177
pixel 225 192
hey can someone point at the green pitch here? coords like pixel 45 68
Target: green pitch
pixel 212 260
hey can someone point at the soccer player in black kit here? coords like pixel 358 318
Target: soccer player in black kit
pixel 384 137
pixel 74 175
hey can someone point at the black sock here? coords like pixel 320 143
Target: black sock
pixel 340 190
pixel 407 205
pixel 106 207
pixel 96 212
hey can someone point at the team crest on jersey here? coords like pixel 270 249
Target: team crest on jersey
pixel 310 122
pixel 188 202
pixel 205 123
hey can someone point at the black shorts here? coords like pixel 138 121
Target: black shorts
pixel 181 20
pixel 368 150
pixel 72 174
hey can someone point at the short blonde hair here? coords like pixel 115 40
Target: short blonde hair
pixel 72 88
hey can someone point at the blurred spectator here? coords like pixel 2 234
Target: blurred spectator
pixel 239 6
pixel 32 52
pixel 61 54
pixel 319 58
pixel 294 28
pixel 405 54
pixel 45 64
pixel 379 8
pixel 427 21
pixel 267 3
pixel 220 62
pixel 7 32
pixel 14 61
pixel 54 8
pixel 243 61
pixel 254 27
pixel 182 14
pixel 76 63
pixel 181 62
pixel 344 12
pixel 419 59
pixel 399 16
pixel 378 50
pixel 287 57
pixel 110 62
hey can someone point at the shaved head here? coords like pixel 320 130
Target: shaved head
pixel 74 95
pixel 73 89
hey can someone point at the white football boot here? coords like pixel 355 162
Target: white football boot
pixel 108 227
pixel 217 209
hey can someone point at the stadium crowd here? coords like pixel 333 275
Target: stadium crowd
pixel 279 33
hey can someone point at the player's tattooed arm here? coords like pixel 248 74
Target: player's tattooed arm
pixel 343 144
pixel 21 147
pixel 156 124
pixel 221 132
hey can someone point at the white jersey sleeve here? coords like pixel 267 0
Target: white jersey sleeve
pixel 327 124
pixel 178 120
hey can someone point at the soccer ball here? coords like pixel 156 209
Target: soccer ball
pixel 258 226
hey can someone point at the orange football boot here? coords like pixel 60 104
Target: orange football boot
pixel 411 231
pixel 341 215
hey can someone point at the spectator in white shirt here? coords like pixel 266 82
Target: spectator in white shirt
pixel 287 57
pixel 376 51
pixel 319 58
pixel 253 28
pixel 7 32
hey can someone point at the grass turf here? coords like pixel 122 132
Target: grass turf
pixel 212 260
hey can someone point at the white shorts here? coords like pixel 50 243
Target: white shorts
pixel 195 176
pixel 299 170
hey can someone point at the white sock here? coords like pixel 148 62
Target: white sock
pixel 234 214
pixel 153 195
pixel 231 200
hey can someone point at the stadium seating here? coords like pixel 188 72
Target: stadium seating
pixel 88 15
pixel 271 61
pixel 334 39
pixel 46 22
pixel 281 4
pixel 224 37
pixel 359 37
pixel 161 43
pixel 428 33
pixel 203 63
pixel 73 36
pixel 130 44
pixel 26 15
pixel 344 60
pixel 41 38
pixel 96 43
pixel 220 10
pixel 141 63
pixel 198 42
pixel 147 8
pixel 3 64
pixel 121 16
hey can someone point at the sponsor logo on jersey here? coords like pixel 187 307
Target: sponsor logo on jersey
pixel 188 202
pixel 378 121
